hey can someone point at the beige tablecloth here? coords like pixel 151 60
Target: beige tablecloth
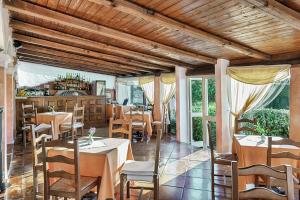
pixel 104 158
pixel 252 150
pixel 147 117
pixel 57 118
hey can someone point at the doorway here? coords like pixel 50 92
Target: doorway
pixel 202 109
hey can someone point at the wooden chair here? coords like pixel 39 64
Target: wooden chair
pixel 219 159
pixel 137 115
pixel 67 185
pixel 39 133
pixel 77 122
pixel 261 192
pixel 29 117
pixel 158 125
pixel 282 155
pixel 239 128
pixel 120 126
pixel 146 171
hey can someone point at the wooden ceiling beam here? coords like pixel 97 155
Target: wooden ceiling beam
pixel 58 46
pixel 64 65
pixel 30 28
pixel 107 57
pixel 286 58
pixel 276 10
pixel 114 69
pixel 39 12
pixel 159 19
pixel 81 59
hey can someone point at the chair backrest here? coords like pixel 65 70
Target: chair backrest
pixel 239 128
pixel 282 154
pixel 120 126
pixel 78 114
pixel 157 151
pixel 210 142
pixel 29 114
pixel 261 192
pixel 137 114
pixel 38 134
pixel 60 173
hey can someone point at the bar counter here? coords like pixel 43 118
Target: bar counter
pixel 94 115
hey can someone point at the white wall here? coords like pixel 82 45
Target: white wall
pixel 30 74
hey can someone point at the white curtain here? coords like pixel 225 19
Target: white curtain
pixel 167 91
pixel 246 96
pixel 148 89
pixel 147 84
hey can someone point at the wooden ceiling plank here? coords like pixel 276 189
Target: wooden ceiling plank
pixel 95 45
pixel 157 18
pixel 60 18
pixel 65 65
pixel 81 59
pixel 71 49
pixel 276 10
pixel 30 53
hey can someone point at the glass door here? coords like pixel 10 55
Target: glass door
pixel 202 108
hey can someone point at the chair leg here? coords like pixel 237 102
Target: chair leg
pixel 35 184
pixel 98 187
pixel 128 189
pixel 143 135
pixel 122 180
pixel 212 179
pixel 24 139
pixel 156 188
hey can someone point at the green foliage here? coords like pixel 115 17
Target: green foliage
pixel 271 122
pixel 212 109
pixel 282 101
pixel 197 95
pixel 197 128
pixel 211 90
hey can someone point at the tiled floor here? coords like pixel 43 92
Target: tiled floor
pixel 184 172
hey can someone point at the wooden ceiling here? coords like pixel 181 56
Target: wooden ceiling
pixel 137 37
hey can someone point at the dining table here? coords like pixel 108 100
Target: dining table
pixel 104 157
pixel 252 150
pixel 58 118
pixel 137 115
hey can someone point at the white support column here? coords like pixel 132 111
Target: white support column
pixel 182 131
pixel 224 140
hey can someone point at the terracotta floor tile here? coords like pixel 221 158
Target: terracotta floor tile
pixel 172 180
pixel 199 173
pixel 197 183
pixel 192 194
pixel 170 193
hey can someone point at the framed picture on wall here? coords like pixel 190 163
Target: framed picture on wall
pixel 137 95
